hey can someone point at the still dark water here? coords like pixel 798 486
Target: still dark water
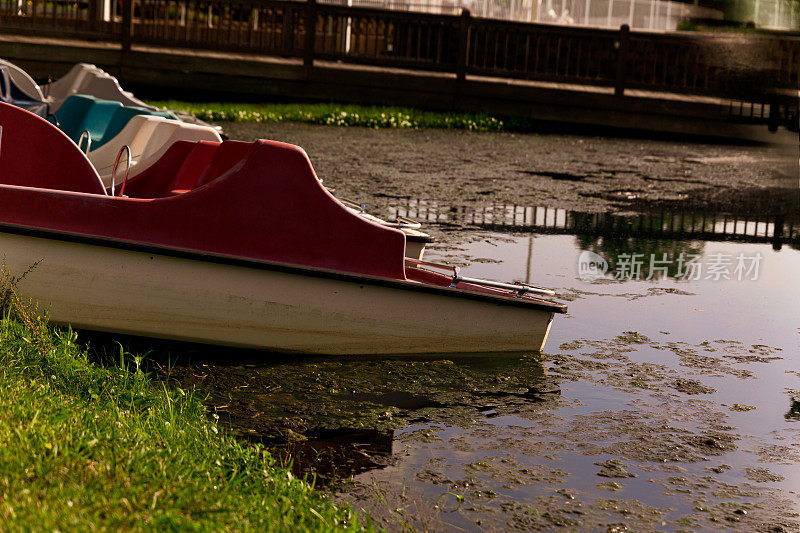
pixel 664 404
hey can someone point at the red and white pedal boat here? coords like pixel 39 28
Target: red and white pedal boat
pixel 235 244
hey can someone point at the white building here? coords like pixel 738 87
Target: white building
pixel 658 15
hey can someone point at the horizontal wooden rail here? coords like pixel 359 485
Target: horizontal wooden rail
pixel 752 68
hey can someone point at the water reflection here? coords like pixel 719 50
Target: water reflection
pixel 777 229
pixel 650 253
pixel 794 411
pixel 679 388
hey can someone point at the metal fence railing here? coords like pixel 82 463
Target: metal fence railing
pixel 670 224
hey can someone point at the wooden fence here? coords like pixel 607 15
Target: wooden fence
pixel 699 64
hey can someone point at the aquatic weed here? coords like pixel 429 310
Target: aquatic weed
pixel 376 117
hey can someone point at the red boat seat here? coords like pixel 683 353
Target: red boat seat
pixel 196 162
pixel 227 155
pixel 187 166
pixel 23 139
pixel 157 178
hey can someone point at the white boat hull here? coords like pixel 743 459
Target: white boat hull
pixel 209 299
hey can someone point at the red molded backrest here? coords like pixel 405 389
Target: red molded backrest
pixel 196 163
pixel 227 155
pixel 34 153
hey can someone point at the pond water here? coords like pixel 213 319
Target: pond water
pixel 663 403
pixel 668 378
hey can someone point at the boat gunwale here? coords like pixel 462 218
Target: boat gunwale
pixel 264 264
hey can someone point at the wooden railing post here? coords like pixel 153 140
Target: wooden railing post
pixel 127 24
pixel 311 33
pixel 463 44
pixel 622 59
pixel 774 113
pixel 94 14
pixel 288 30
pixel 777 232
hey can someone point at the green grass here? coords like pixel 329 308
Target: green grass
pixel 87 446
pixel 339 115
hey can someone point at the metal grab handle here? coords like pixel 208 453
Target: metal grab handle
pixel 400 222
pixel 6 85
pixel 520 288
pixel 403 223
pixel 56 123
pixel 353 205
pixel 416 263
pixel 88 140
pixel 127 149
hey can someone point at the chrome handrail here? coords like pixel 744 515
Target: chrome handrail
pixel 399 223
pixel 416 263
pixel 46 91
pixel 88 140
pixel 353 205
pixel 519 288
pixel 403 223
pixel 6 83
pixel 127 149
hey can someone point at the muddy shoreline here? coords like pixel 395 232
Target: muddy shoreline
pixel 571 171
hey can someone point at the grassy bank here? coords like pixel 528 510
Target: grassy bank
pixel 339 115
pixel 85 446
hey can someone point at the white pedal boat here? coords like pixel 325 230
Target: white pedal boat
pixel 239 245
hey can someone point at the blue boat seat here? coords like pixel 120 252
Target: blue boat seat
pixel 103 119
pixel 85 113
pixel 120 119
